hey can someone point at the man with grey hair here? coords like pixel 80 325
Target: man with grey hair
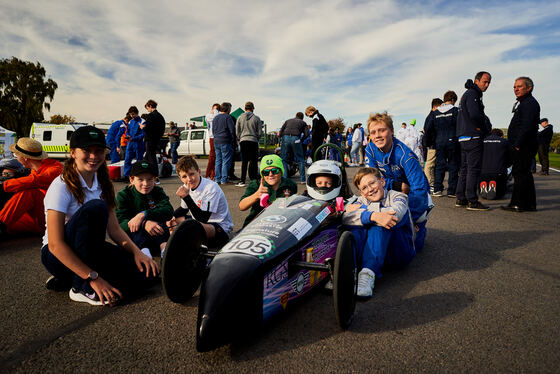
pixel 522 136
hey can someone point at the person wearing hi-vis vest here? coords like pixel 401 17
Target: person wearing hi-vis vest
pixel 24 211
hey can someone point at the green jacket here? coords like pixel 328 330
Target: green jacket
pixel 130 202
pixel 287 188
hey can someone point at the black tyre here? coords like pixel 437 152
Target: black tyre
pixel 345 280
pixel 183 264
pixel 166 170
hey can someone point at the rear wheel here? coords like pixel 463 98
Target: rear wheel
pixel 183 264
pixel 345 280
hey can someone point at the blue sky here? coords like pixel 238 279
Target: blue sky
pixel 347 58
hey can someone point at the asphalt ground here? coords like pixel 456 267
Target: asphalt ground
pixel 483 296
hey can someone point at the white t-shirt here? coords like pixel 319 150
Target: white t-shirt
pixel 60 199
pixel 209 118
pixel 209 197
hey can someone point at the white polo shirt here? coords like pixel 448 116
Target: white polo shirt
pixel 209 197
pixel 60 199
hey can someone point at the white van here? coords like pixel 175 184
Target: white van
pixel 54 138
pixel 193 142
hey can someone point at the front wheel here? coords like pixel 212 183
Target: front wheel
pixel 345 280
pixel 183 264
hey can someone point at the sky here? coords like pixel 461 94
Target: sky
pixel 346 58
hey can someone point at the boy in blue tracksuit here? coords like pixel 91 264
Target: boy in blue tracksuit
pixel 402 172
pixel 382 228
pixel 113 138
pixel 135 135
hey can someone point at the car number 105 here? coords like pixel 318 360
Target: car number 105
pixel 255 245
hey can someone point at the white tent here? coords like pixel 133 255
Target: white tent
pixel 7 138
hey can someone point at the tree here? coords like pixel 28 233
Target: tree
pixel 62 119
pixel 23 94
pixel 337 123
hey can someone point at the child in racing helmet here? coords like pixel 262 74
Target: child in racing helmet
pixel 382 227
pixel 272 182
pixel 325 181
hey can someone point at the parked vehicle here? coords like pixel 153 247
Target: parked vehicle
pixel 193 142
pixel 54 138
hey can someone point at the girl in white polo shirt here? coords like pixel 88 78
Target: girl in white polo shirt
pixel 79 208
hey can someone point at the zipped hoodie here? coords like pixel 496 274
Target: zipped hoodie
pixel 248 128
pixel 471 120
pixel 443 124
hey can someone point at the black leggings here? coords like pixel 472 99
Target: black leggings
pixel 249 155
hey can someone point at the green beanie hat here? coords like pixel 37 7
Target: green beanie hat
pixel 272 160
pixel 413 122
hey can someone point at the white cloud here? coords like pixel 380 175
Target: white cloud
pixel 346 58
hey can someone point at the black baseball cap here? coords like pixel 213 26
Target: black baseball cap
pixel 544 120
pixel 87 136
pixel 140 167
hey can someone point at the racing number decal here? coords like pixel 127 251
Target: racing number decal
pixel 255 245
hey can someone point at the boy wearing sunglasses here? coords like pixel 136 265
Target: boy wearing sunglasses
pixel 272 182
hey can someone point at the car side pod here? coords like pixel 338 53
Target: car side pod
pixel 182 266
pixel 230 301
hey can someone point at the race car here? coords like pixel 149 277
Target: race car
pixel 290 248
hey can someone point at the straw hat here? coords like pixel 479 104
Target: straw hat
pixel 28 148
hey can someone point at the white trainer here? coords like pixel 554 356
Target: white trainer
pixel 366 280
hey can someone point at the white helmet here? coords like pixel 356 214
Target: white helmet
pixel 320 168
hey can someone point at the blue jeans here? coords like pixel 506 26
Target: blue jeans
pixel 355 153
pixel 224 158
pixel 85 235
pixel 173 151
pixel 144 240
pixel 447 157
pixel 289 144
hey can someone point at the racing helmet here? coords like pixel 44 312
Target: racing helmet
pixel 324 168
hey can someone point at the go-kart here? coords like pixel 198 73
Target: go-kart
pixel 290 248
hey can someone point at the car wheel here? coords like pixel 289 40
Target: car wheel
pixel 345 280
pixel 183 264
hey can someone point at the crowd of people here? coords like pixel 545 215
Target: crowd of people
pixel 75 204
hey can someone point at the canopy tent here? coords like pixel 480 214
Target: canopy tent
pixel 235 114
pixel 7 138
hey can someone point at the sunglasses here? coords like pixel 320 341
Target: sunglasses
pixel 274 171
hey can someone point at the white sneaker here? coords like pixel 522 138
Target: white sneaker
pixel 366 280
pixel 240 184
pixel 83 297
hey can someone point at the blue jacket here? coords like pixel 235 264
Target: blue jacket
pixel 113 139
pixel 441 125
pixel 471 120
pixel 134 131
pixel 223 129
pixel 400 164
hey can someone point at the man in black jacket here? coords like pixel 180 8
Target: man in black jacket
pixel 291 134
pixel 154 127
pixel 522 136
pixel 472 127
pixel 495 161
pixel 544 137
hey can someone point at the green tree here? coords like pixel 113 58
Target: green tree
pixel 23 94
pixel 60 119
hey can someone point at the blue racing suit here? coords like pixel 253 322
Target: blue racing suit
pixel 113 137
pixel 135 146
pixel 400 164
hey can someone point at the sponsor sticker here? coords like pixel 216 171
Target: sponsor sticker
pixel 284 299
pixel 323 214
pixel 300 228
pixel 299 283
pixel 275 219
pixel 277 275
pixel 255 245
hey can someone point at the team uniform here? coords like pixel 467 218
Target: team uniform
pixel 207 204
pixel 135 146
pixel 400 165
pixel 377 245
pixel 113 137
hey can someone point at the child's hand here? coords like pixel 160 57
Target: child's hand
pixel 385 219
pixel 135 223
pixel 171 224
pixel 352 207
pixel 153 228
pixel 262 189
pixel 182 192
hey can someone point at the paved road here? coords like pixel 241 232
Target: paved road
pixel 483 296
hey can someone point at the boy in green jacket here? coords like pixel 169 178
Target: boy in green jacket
pixel 143 208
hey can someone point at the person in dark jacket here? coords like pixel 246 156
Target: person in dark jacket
pixel 442 127
pixel 472 126
pixel 522 136
pixel 223 128
pixel 153 131
pixel 495 161
pixel 544 138
pixel 319 129
pixel 291 134
pixel 429 144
